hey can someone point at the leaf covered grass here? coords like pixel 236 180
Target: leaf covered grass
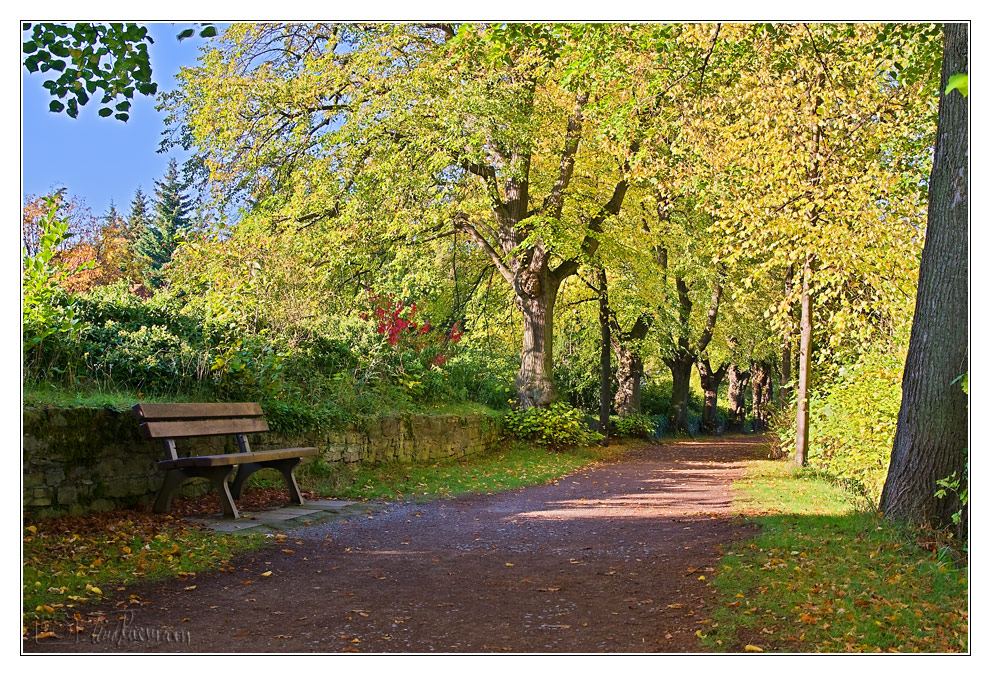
pixel 73 561
pixel 507 468
pixel 826 577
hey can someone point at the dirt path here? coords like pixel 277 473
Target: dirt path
pixel 607 559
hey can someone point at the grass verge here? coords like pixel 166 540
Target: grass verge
pixel 73 561
pixel 507 468
pixel 826 577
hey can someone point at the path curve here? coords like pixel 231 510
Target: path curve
pixel 611 558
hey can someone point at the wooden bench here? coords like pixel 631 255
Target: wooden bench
pixel 169 422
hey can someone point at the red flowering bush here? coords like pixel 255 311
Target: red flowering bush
pixel 412 350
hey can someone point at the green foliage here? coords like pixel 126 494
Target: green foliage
pixel 111 58
pixel 49 321
pixel 958 82
pixel 635 425
pixel 855 418
pixel 557 426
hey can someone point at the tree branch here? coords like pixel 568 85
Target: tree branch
pixel 554 203
pixel 462 224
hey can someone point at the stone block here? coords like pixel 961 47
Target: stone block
pixel 67 495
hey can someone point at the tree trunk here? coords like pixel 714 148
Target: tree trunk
pixel 760 386
pixel 681 375
pixel 931 437
pixel 629 365
pixel 629 375
pixel 534 381
pixel 804 360
pixel 710 389
pixel 604 358
pixel 784 392
pixel 737 400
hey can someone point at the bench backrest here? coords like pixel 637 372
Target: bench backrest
pixel 169 421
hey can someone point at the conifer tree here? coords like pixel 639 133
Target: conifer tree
pixel 166 227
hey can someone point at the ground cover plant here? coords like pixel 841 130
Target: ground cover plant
pixel 824 576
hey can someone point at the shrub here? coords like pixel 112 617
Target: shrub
pixel 556 426
pixel 635 425
pixel 854 421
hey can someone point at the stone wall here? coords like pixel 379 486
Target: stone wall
pixel 88 459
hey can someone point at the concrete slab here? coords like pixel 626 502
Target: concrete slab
pixel 279 515
pixel 313 510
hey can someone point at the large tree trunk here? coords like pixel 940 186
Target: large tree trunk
pixel 534 381
pixel 629 365
pixel 629 377
pixel 681 376
pixel 604 358
pixel 761 390
pixel 737 399
pixel 710 380
pixel 931 436
pixel 804 361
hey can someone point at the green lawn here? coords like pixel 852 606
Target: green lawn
pixel 825 577
pixel 509 467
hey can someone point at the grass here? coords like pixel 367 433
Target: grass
pixel 73 561
pixel 47 394
pixel 511 466
pixel 824 576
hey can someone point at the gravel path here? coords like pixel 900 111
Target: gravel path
pixel 609 559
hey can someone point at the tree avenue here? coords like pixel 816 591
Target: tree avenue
pixel 677 228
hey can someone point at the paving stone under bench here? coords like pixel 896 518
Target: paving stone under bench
pixel 259 521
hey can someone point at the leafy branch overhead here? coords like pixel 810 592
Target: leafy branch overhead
pixel 94 60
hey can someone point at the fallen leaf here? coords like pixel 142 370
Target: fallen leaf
pixel 753 649
pixel 191 587
pixel 266 573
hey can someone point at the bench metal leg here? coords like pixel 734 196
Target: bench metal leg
pixel 286 467
pixel 163 502
pixel 244 470
pixel 219 477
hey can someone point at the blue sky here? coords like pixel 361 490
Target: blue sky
pixel 102 159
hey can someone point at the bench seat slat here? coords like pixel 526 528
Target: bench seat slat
pixel 196 410
pixel 202 428
pixel 238 458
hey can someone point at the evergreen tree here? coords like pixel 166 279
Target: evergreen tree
pixel 138 219
pixel 112 218
pixel 166 227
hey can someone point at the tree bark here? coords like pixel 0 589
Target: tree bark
pixel 761 394
pixel 784 392
pixel 737 399
pixel 534 381
pixel 629 365
pixel 804 360
pixel 604 358
pixel 681 375
pixel 710 380
pixel 931 436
